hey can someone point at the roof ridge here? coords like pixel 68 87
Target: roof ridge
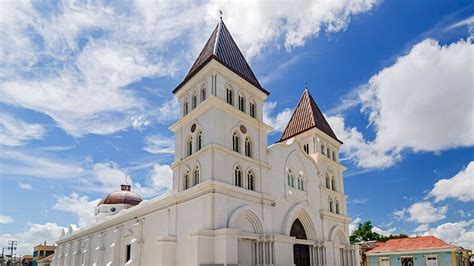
pixel 214 51
pixel 241 54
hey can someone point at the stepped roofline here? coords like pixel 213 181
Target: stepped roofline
pixel 221 47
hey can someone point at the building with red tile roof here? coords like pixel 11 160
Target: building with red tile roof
pixel 420 250
pixel 411 244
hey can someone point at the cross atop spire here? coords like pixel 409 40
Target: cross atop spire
pixel 220 14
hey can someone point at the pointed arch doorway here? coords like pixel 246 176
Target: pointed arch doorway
pixel 301 255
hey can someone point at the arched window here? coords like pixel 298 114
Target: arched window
pixel 203 94
pixel 330 205
pixel 238 176
pixel 241 102
pixel 328 185
pixel 333 156
pixel 250 181
pixel 196 176
pixel 230 96
pixel 328 153
pixel 189 147
pixel 199 141
pixel 297 230
pixel 291 179
pixel 248 147
pixel 194 100
pixel 185 107
pixel 322 148
pixel 186 184
pixel 333 183
pixel 235 142
pixel 300 182
pixel 252 109
pixel 306 148
pixel 337 206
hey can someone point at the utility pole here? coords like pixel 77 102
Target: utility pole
pixel 3 256
pixel 12 247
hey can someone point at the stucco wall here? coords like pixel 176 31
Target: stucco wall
pixel 444 259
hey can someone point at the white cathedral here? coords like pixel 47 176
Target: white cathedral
pixel 234 200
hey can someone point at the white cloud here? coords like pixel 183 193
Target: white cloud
pixel 34 235
pixel 425 212
pixel 5 219
pixel 285 21
pixel 463 213
pixel 356 148
pixel 400 214
pixel 421 228
pixel 110 176
pixel 280 120
pixel 383 232
pixel 158 144
pixel 162 176
pixel 423 102
pixel 14 132
pixel 459 233
pixel 74 62
pixel 78 205
pixel 168 111
pixel 354 224
pixel 460 186
pixel 25 186
pixel 35 165
pixel 469 22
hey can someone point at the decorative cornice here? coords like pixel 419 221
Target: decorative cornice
pixel 333 216
pixel 211 147
pixel 333 193
pixel 213 101
pixel 168 200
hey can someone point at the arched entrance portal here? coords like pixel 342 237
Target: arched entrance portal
pixel 300 252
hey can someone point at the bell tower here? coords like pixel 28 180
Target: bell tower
pixel 220 134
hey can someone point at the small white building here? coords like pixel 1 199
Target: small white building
pixel 234 199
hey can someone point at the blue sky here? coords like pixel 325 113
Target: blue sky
pixel 86 99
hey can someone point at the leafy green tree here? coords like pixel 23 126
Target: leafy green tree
pixel 364 233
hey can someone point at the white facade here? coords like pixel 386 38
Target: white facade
pixel 213 217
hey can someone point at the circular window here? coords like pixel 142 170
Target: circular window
pixel 243 129
pixel 193 128
pixel 112 209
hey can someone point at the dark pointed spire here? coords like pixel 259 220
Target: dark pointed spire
pixel 305 117
pixel 222 47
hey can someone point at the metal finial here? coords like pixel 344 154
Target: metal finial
pixel 220 14
pixel 126 180
pixel 306 85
